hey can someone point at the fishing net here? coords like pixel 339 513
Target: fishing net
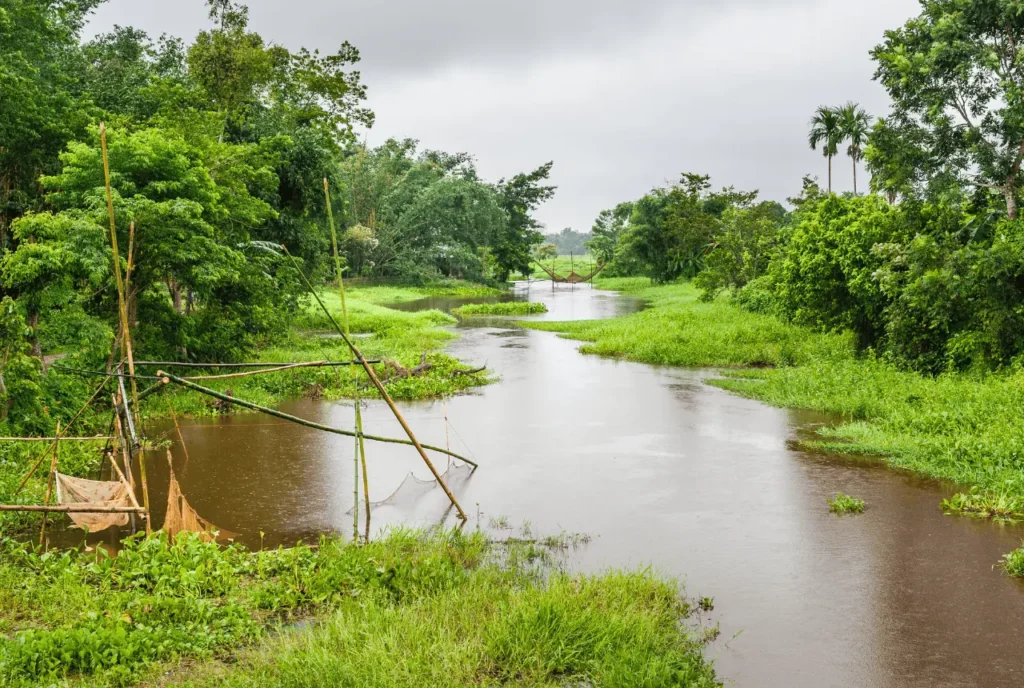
pixel 412 489
pixel 181 517
pixel 96 493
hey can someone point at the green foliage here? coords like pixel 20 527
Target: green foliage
pixel 518 197
pixel 744 243
pixel 606 233
pixel 115 620
pixel 503 308
pixel 826 131
pixel 569 241
pixel 978 504
pixel 845 504
pixel 954 71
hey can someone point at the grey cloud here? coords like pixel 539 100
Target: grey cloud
pixel 621 95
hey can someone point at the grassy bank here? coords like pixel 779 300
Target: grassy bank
pixel 406 338
pixel 414 609
pixel 962 428
pixel 503 309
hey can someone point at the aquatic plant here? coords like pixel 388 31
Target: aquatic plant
pixel 979 504
pixel 845 504
pixel 415 608
pixel 503 308
pixel 1013 563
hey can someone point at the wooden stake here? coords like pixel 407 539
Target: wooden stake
pixel 380 388
pixel 49 484
pixel 122 307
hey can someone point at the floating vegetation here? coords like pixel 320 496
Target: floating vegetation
pixel 503 308
pixel 1013 563
pixel 979 504
pixel 845 504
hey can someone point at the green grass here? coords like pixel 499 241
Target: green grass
pixel 381 333
pixel 845 504
pixel 563 264
pixel 504 308
pixel 403 294
pixel 413 609
pixel 678 329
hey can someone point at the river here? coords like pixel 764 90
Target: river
pixel 665 471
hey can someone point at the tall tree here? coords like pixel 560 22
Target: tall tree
pixel 826 131
pixel 855 124
pixel 519 196
pixel 958 70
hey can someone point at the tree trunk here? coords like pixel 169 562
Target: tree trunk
pixel 33 322
pixel 855 176
pixel 830 174
pixel 1011 201
pixel 175 290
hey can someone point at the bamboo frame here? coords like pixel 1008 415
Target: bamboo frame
pixel 49 484
pixel 302 421
pixel 122 306
pixel 74 509
pixel 380 388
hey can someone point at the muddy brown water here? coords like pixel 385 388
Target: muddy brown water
pixel 665 471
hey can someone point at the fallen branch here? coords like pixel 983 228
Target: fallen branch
pixel 474 371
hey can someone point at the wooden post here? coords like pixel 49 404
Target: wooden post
pixel 380 388
pixel 362 460
pixel 49 485
pixel 122 307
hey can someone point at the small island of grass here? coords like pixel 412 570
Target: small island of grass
pixel 504 308
pixel 845 504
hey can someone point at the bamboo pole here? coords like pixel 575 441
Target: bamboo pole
pixel 362 459
pixel 73 509
pixel 70 423
pixel 49 484
pixel 127 340
pixel 119 433
pixel 134 453
pixel 95 438
pixel 337 257
pixel 177 427
pixel 302 421
pixel 355 482
pixel 123 480
pixel 380 388
pixel 292 366
pixel 177 364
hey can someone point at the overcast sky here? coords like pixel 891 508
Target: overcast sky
pixel 623 95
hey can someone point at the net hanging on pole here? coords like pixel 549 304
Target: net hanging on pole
pixel 412 489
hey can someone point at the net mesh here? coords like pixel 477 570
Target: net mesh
pixel 412 489
pixel 98 493
pixel 181 517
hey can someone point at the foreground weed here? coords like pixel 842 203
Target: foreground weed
pixel 979 504
pixel 845 504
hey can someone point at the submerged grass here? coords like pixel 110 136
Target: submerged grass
pixel 413 609
pixel 504 308
pixel 845 504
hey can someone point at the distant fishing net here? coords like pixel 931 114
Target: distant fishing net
pixel 181 517
pixel 413 489
pixel 94 493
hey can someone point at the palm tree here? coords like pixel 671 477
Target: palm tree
pixel 855 125
pixel 827 130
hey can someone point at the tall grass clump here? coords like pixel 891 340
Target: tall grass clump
pixel 1013 563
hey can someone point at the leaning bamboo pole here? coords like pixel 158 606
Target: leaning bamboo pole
pixel 122 306
pixel 362 459
pixel 179 364
pixel 49 485
pixel 168 378
pixel 380 388
pixel 57 438
pixel 95 438
pixel 291 366
pixel 134 452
